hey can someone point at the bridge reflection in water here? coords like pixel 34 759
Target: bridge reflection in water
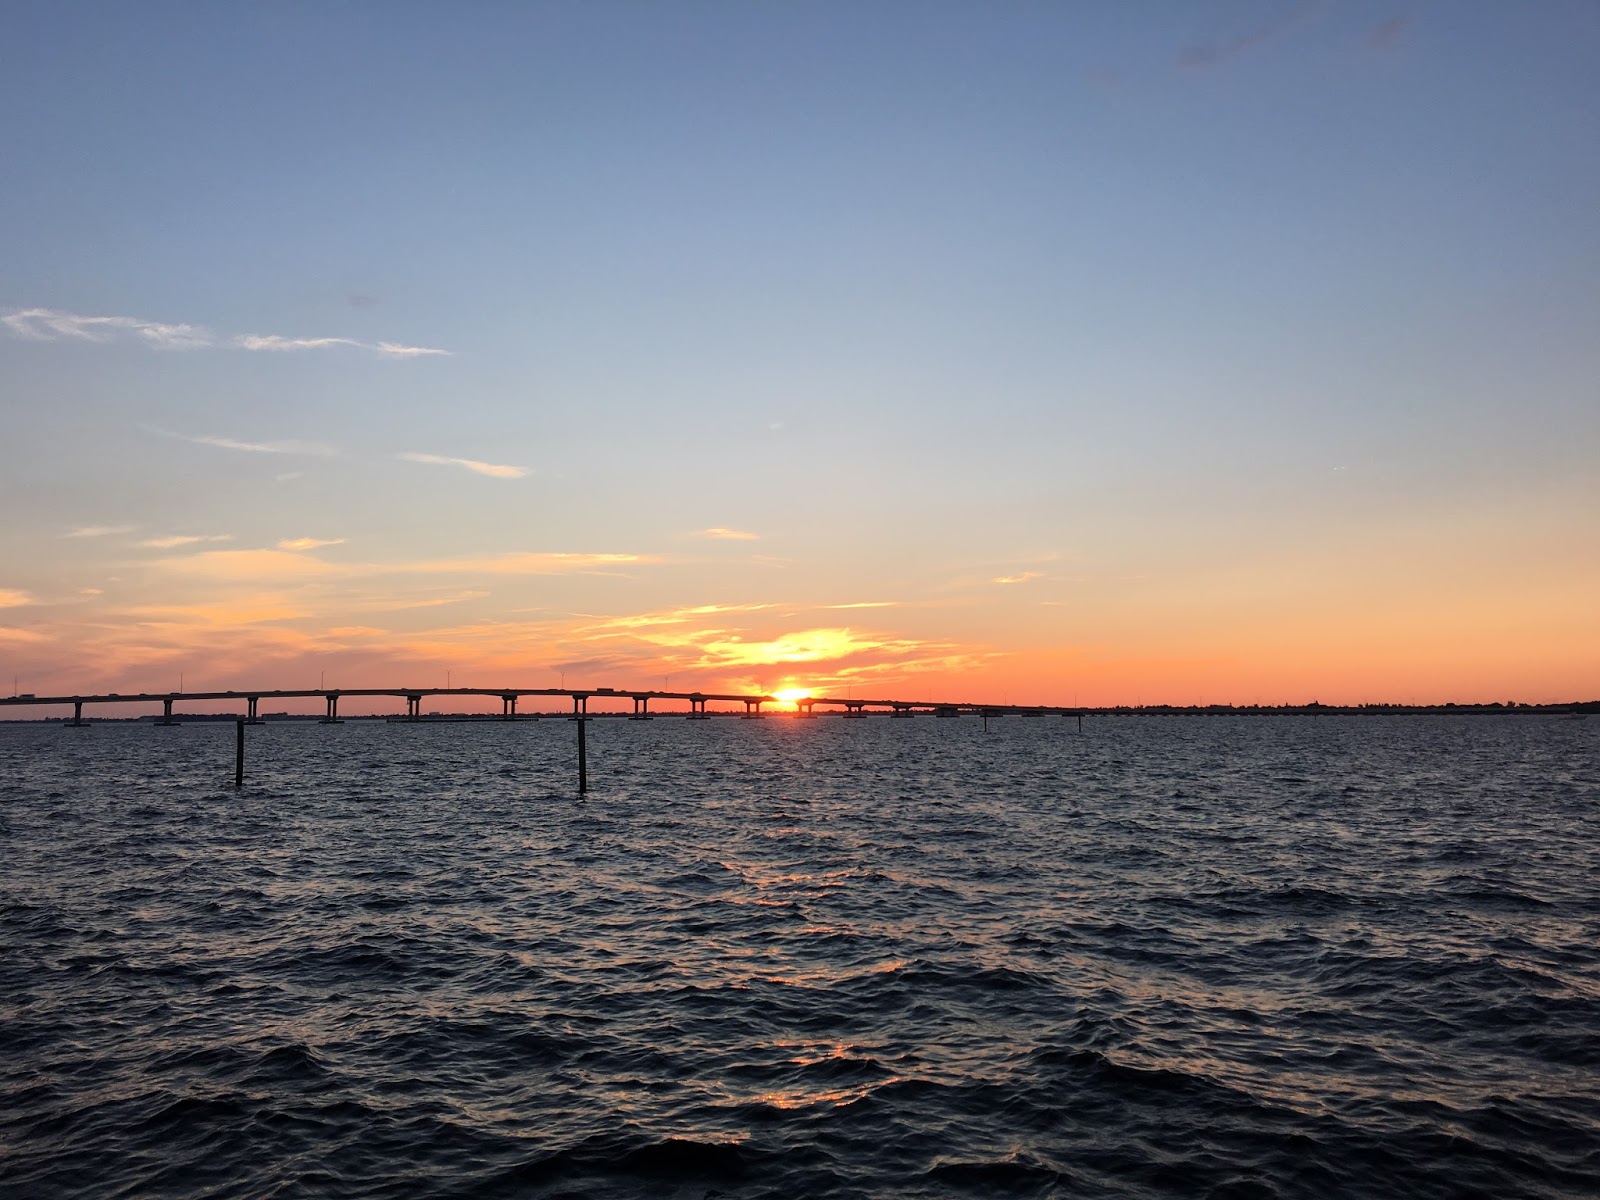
pixel 804 707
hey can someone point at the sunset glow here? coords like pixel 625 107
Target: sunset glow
pixel 1123 372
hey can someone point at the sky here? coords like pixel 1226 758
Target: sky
pixel 1214 351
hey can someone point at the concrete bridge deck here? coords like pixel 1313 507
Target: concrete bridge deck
pixel 698 702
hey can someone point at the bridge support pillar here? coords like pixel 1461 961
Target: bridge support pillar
pixel 752 711
pixel 580 708
pixel 641 709
pixel 251 716
pixel 802 708
pixel 413 708
pixel 333 710
pixel 854 710
pixel 697 709
pixel 583 751
pixel 902 710
pixel 77 721
pixel 508 707
pixel 166 713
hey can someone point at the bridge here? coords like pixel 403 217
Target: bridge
pixel 508 697
pixel 698 702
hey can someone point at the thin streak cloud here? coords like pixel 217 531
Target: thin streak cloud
pixel 308 543
pixel 493 470
pixel 12 598
pixel 288 563
pixel 96 531
pixel 729 535
pixel 530 563
pixel 288 446
pixel 273 341
pixel 50 325
pixel 184 539
pixel 395 350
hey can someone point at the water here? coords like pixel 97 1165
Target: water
pixel 1232 957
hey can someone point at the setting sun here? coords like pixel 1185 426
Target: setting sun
pixel 792 695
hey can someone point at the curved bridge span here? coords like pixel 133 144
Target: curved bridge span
pixel 697 702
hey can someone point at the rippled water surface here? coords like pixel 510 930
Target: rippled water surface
pixel 1243 957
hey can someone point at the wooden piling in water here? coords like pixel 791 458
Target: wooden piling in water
pixel 238 753
pixel 583 757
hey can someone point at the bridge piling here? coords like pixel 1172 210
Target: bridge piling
pixel 238 753
pixel 583 755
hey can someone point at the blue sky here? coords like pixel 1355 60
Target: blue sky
pixel 1143 303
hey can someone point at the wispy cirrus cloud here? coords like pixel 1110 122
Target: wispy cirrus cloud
pixel 493 470
pixel 728 535
pixel 288 563
pixel 1022 577
pixel 185 539
pixel 530 563
pixel 287 446
pixel 273 341
pixel 630 624
pixel 308 543
pixel 395 350
pixel 50 324
pixel 96 531
pixel 13 598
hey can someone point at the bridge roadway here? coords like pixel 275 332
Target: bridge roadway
pixel 580 697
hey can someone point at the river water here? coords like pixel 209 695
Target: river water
pixel 1188 956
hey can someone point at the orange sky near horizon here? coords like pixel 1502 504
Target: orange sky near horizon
pixel 1393 623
